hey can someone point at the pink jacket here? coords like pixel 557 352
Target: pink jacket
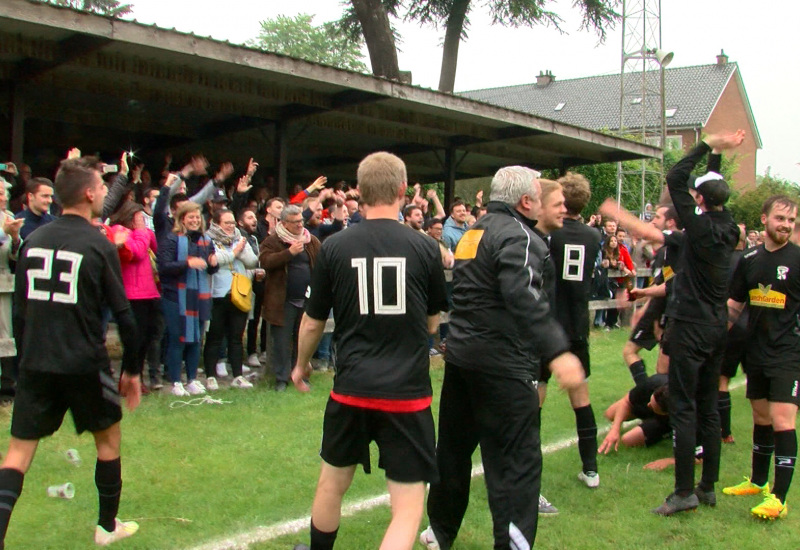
pixel 137 273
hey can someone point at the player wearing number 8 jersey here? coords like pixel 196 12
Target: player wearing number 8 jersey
pixel 385 284
pixel 67 273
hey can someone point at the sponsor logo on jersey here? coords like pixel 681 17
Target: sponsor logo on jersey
pixel 467 247
pixel 783 271
pixel 764 296
pixel 668 273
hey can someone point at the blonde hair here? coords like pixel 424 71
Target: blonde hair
pixel 548 186
pixel 381 177
pixel 184 209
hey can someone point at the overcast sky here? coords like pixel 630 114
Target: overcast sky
pixel 763 43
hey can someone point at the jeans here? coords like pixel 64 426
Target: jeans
pixel 177 351
pixel 227 323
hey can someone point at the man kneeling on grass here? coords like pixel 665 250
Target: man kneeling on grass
pixel 649 402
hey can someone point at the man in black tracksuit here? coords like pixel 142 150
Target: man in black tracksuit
pixel 697 317
pixel 501 331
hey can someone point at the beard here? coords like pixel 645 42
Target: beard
pixel 778 237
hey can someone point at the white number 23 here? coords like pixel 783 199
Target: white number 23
pixel 70 276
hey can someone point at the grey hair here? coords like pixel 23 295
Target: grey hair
pixel 290 210
pixel 512 182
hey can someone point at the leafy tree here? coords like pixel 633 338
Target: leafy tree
pixel 453 15
pixel 746 208
pixel 299 37
pixel 112 8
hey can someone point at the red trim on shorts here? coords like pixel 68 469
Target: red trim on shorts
pixel 385 405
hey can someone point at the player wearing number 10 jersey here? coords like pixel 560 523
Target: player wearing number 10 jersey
pixel 385 284
pixel 67 273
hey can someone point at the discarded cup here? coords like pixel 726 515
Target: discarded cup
pixel 67 490
pixel 73 457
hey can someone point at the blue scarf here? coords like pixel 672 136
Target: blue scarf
pixel 194 295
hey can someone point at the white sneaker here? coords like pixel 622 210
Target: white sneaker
pixel 545 508
pixel 211 384
pixel 428 539
pixel 246 369
pixel 241 382
pixel 222 369
pixel 179 390
pixel 253 360
pixel 591 479
pixel 123 529
pixel 195 388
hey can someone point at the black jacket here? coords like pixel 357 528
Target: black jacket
pixel 501 322
pixel 700 291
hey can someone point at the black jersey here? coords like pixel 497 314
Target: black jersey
pixel 548 272
pixel 673 242
pixel 382 280
pixel 67 273
pixel 574 249
pixel 770 283
pixel 640 396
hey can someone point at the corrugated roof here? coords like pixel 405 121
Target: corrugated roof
pixel 594 101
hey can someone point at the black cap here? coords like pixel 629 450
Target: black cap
pixel 219 196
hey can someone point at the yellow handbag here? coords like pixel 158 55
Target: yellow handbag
pixel 241 290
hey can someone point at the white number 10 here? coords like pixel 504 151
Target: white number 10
pixel 378 265
pixel 46 272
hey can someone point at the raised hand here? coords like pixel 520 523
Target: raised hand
pixel 720 142
pixel 252 166
pixel 123 163
pixel 243 185
pixel 74 153
pixel 318 184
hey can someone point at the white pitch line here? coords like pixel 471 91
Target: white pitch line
pixel 265 533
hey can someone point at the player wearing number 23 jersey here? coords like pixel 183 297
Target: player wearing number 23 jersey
pixel 68 284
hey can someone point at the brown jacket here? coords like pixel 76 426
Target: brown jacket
pixel 274 257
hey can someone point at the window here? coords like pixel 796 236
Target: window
pixel 559 106
pixel 636 101
pixel 669 113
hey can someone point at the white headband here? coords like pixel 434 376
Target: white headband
pixel 710 176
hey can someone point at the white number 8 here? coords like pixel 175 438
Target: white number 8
pixel 46 272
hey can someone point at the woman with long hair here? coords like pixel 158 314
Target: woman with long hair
pixel 140 283
pixel 615 258
pixel 185 260
pixel 234 255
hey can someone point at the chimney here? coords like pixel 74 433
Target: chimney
pixel 722 59
pixel 545 78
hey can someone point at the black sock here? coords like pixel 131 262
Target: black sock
pixel 587 437
pixel 10 489
pixel 638 372
pixel 724 408
pixel 763 445
pixel 108 478
pixel 785 458
pixel 321 540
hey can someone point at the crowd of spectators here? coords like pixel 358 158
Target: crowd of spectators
pixel 186 236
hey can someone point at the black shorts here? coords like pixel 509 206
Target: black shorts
pixel 581 349
pixel 776 384
pixel 655 429
pixel 44 397
pixel 643 334
pixel 734 351
pixel 406 441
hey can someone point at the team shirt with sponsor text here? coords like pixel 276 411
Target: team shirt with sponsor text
pixel 382 280
pixel 769 282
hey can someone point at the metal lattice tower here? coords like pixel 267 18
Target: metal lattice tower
pixel 641 112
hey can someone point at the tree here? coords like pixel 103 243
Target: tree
pixel 746 208
pixel 453 16
pixel 299 37
pixel 112 8
pixel 368 20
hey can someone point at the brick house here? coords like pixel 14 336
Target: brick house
pixel 699 99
